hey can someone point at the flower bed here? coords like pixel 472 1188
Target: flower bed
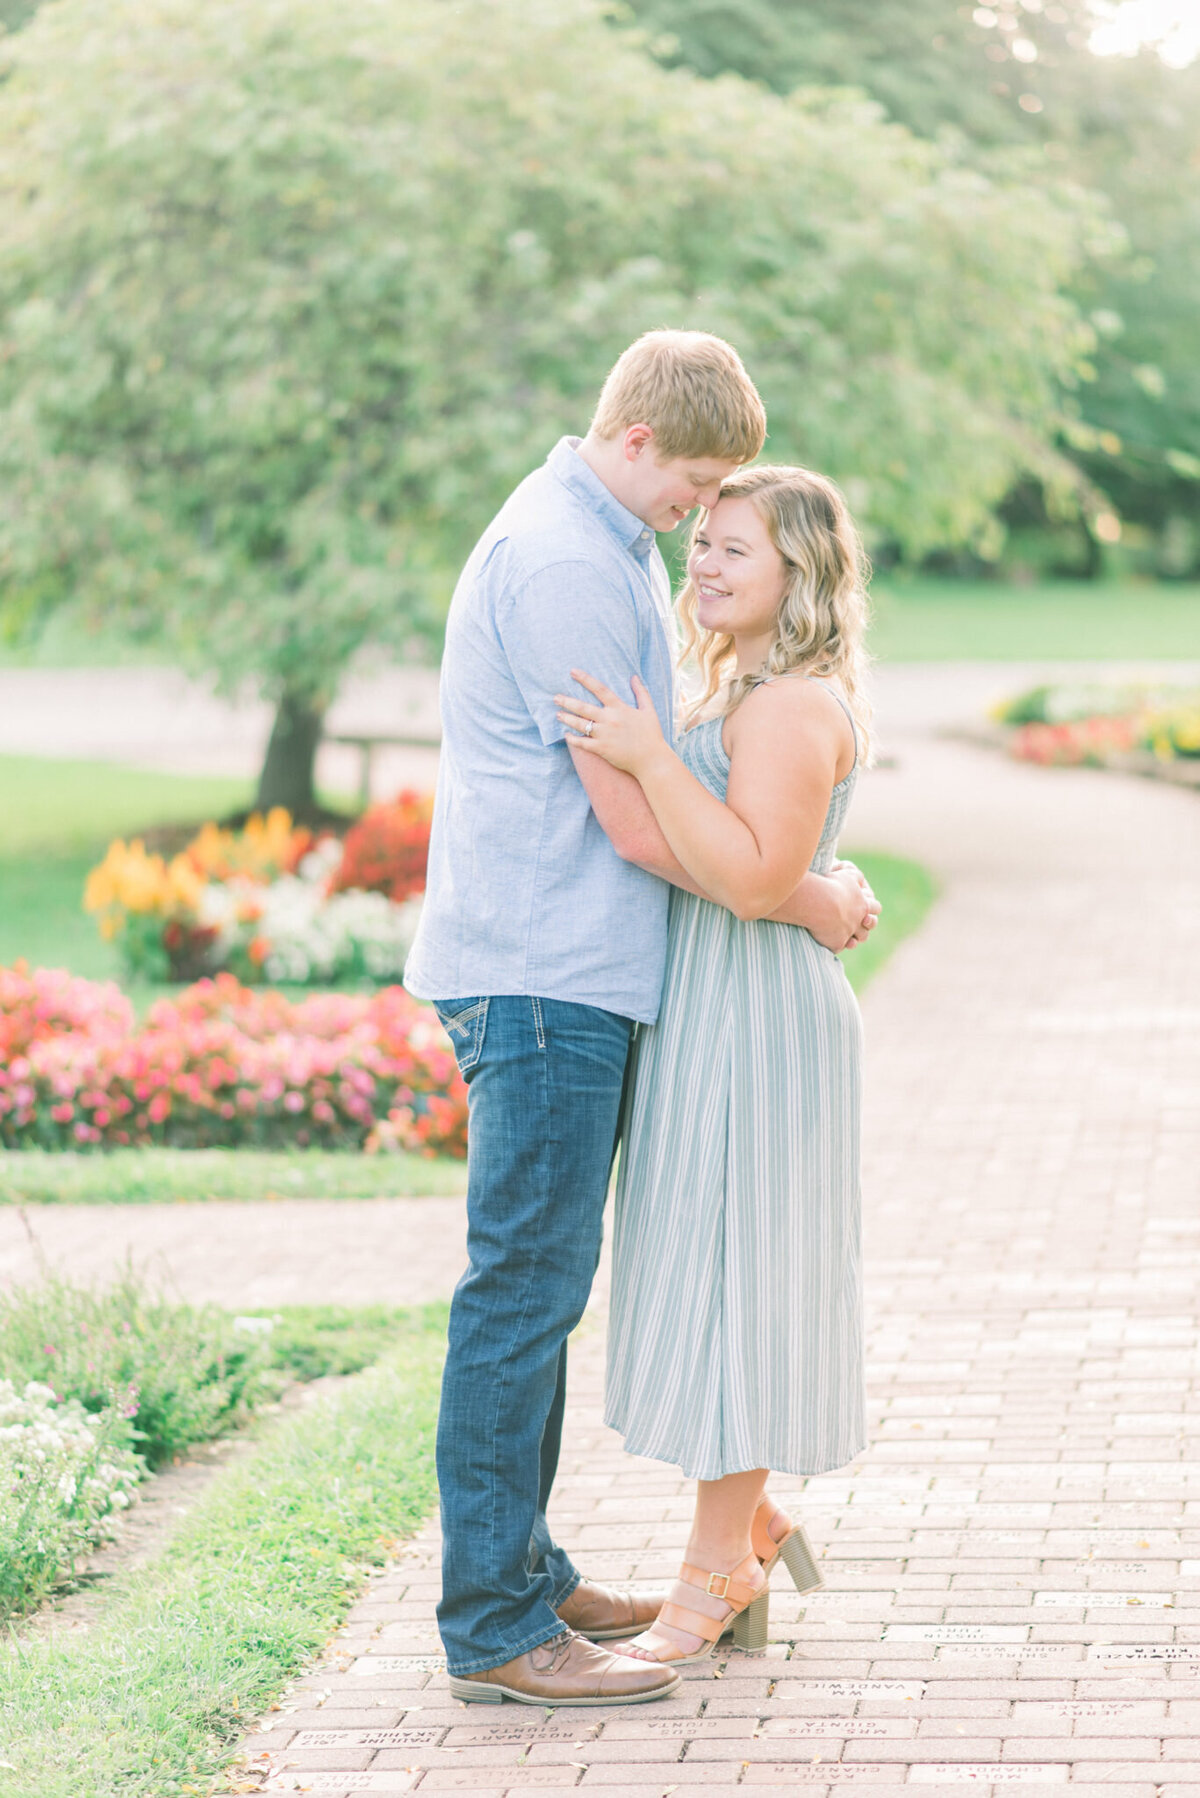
pixel 62 1478
pixel 271 902
pixel 1142 729
pixel 387 851
pixel 226 1066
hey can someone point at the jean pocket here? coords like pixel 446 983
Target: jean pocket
pixel 464 1021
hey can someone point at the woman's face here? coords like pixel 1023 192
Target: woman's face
pixel 739 576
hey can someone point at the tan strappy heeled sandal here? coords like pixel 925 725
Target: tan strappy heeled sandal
pixel 794 1549
pixel 748 1616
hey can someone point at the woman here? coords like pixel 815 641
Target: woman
pixel 736 1331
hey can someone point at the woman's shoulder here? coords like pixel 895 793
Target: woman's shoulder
pixel 797 708
pixel 797 695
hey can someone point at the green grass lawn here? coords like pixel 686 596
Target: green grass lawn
pixel 56 820
pixel 924 620
pixel 152 1700
pixel 906 891
pixel 176 1176
pixel 64 809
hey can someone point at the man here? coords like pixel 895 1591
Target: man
pixel 542 944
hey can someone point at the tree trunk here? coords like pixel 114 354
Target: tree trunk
pixel 1093 553
pixel 288 770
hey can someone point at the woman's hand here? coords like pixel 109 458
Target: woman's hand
pixel 625 736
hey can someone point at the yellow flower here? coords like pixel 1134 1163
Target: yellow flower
pixel 184 884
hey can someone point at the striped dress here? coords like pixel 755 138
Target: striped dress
pixel 735 1336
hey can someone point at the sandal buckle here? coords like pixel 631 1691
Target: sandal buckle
pixel 721 1579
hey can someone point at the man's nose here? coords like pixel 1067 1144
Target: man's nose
pixel 708 496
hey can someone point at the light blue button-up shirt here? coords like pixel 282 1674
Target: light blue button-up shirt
pixel 525 893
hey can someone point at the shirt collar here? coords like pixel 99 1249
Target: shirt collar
pixel 571 469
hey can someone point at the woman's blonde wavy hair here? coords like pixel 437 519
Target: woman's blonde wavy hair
pixel 822 617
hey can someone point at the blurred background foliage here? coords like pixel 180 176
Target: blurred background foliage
pixel 291 298
pixel 1018 92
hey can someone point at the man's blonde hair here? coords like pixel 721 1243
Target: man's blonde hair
pixel 693 392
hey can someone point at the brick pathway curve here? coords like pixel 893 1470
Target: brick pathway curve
pixel 1013 1567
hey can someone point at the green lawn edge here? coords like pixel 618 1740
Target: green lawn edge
pixel 153 1701
pixel 157 1176
pixel 923 619
pixel 906 890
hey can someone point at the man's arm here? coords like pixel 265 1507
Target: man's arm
pixel 838 909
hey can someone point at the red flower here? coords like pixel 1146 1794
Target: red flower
pixel 387 851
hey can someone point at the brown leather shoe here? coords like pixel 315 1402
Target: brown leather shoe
pixel 567 1670
pixel 602 1613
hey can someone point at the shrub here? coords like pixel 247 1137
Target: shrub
pixel 224 1066
pixel 1172 731
pixel 175 1374
pixel 62 1476
pixel 387 851
pixel 269 902
pixel 39 1004
pixel 1086 741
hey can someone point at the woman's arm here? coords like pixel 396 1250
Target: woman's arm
pixel 838 909
pixel 749 853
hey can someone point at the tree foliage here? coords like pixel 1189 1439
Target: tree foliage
pixel 290 298
pixel 1013 78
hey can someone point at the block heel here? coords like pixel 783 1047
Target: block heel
pixel 750 1626
pixel 795 1551
pixel 793 1548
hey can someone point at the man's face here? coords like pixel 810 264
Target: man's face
pixel 664 493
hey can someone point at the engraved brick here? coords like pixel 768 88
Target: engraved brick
pixel 985 1773
pixel 823 1773
pixel 385 1785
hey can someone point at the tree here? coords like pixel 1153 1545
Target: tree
pixel 287 305
pixel 1009 78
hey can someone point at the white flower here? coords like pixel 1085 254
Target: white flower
pixel 57 1483
pixel 314 938
pixel 322 861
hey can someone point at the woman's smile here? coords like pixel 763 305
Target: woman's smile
pixel 739 576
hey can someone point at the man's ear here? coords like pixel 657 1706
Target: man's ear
pixel 635 440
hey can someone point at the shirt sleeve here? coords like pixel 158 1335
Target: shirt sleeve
pixel 568 616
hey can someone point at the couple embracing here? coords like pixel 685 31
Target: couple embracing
pixel 631 929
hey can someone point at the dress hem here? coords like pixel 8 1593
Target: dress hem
pixel 649 1452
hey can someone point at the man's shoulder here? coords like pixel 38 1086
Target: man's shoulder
pixel 542 526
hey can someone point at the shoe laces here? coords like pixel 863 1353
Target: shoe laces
pixel 548 1657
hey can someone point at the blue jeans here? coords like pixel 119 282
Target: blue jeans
pixel 545 1080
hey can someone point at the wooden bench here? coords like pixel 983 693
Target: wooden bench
pixel 367 742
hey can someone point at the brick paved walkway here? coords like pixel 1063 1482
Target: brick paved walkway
pixel 1013 1567
pixel 228 1252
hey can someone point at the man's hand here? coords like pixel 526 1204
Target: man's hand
pixel 838 909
